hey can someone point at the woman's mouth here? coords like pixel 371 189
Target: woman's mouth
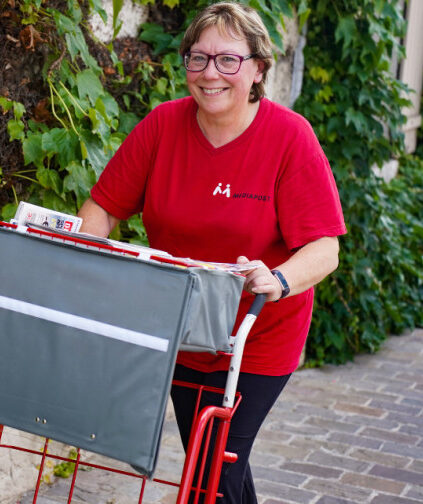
pixel 212 91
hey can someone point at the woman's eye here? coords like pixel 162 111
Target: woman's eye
pixel 227 59
pixel 198 58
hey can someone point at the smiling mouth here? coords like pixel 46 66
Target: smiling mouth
pixel 211 92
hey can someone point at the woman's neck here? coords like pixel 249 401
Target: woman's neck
pixel 220 131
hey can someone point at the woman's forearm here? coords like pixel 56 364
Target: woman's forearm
pixel 310 264
pixel 95 220
pixel 307 267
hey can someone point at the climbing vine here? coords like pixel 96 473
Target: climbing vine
pixel 354 102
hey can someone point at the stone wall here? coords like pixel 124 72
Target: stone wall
pixel 132 16
pixel 284 72
pixel 18 469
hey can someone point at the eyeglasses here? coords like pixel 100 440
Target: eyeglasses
pixel 225 63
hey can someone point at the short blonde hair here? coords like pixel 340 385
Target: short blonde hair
pixel 238 19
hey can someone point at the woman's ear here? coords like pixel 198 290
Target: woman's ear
pixel 259 73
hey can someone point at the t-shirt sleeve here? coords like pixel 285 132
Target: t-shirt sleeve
pixel 120 189
pixel 308 203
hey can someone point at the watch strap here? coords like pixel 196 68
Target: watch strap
pixel 282 280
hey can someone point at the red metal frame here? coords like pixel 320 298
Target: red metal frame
pixel 200 434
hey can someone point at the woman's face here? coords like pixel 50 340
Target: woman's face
pixel 218 94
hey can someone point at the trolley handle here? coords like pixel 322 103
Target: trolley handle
pixel 240 339
pixel 257 304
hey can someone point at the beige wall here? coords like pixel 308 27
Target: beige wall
pixel 411 72
pixel 279 80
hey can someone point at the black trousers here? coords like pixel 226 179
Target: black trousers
pixel 259 393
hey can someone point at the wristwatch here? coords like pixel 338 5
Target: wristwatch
pixel 285 287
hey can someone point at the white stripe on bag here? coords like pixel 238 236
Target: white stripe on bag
pixel 67 319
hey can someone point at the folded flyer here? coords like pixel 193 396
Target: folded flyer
pixel 27 213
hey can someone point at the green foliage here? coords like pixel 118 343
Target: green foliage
pixel 66 469
pixel 355 105
pixel 15 126
pixel 67 156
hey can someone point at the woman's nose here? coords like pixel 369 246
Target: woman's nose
pixel 211 71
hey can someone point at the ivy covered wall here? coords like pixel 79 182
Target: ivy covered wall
pixel 356 106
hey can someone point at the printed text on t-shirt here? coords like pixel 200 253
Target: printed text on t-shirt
pixel 218 190
pixel 258 197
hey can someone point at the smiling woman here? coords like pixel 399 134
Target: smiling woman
pixel 226 175
pixel 235 83
pixel 223 97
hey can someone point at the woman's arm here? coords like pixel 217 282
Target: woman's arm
pixel 307 267
pixel 95 220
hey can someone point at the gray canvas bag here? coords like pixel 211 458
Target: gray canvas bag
pixel 88 341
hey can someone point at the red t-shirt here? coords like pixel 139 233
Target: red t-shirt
pixel 262 195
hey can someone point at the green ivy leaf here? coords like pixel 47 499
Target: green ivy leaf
pixel 18 110
pixel 115 141
pixel 155 101
pixel 127 122
pixel 346 31
pixel 95 151
pixel 6 104
pixel 99 125
pixel 111 107
pixel 75 11
pixel 89 86
pixel 76 44
pixel 8 211
pixel 155 35
pixel 50 199
pixel 32 150
pixel 80 180
pixel 161 85
pixel 356 118
pixel 319 74
pixel 303 12
pixel 84 151
pixel 49 179
pixel 16 129
pixel 117 23
pixel 135 224
pixel 97 6
pixel 63 23
pixel 61 142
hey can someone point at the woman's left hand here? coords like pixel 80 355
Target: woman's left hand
pixel 260 280
pixel 305 268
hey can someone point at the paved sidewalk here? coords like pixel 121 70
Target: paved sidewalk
pixel 338 435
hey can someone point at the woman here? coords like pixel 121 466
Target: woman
pixel 226 175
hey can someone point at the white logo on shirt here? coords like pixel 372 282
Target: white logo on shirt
pixel 226 192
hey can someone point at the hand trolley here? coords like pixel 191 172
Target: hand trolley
pixel 195 460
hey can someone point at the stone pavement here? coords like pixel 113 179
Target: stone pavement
pixel 338 435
